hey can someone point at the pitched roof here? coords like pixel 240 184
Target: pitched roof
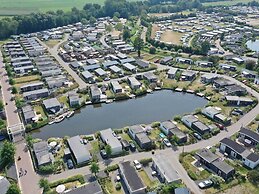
pixel 223 166
pixel 89 188
pixel 233 145
pixel 253 135
pixel 253 157
pixel 207 155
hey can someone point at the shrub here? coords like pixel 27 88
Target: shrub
pixel 118 186
pixel 192 175
pixel 78 177
pixel 112 168
pixel 145 161
pixel 89 138
pixel 152 50
pixel 48 169
pixel 155 124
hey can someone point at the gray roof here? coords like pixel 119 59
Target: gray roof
pixel 143 138
pixel 166 59
pixel 115 69
pixel 28 112
pixel 238 98
pixel 223 166
pixel 115 84
pixel 129 66
pixel 189 118
pixel 131 176
pixel 168 124
pixel 142 63
pixel 133 81
pixel 91 67
pixel 166 168
pixel 128 60
pixel 95 91
pixel 100 72
pixel 136 129
pixel 253 135
pixel 32 84
pixel 78 149
pixel 4 185
pixel 182 191
pixel 108 138
pixel 34 92
pixel 233 145
pixel 110 63
pixel 172 71
pixel 89 188
pixel 92 61
pixel 207 155
pixel 86 74
pixel 253 157
pixel 42 153
pixel 210 111
pixel 50 103
pixel 201 126
pixel 188 73
pixel 150 76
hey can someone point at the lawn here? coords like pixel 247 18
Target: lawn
pixel 108 187
pixel 155 134
pixel 26 79
pixel 126 136
pixel 39 109
pixel 171 37
pixel 146 180
pixel 52 43
pixel 64 100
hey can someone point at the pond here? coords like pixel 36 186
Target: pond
pixel 253 45
pixel 158 106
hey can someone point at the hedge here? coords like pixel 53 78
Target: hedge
pixel 78 177
pixel 112 168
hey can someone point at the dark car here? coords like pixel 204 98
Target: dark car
pixel 132 147
pixel 70 164
pixel 103 154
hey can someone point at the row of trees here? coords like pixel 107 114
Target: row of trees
pixel 35 22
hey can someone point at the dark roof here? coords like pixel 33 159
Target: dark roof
pixel 250 133
pixel 253 157
pixel 90 188
pixel 201 126
pixel 207 155
pixel 143 138
pixel 233 145
pixel 223 166
pixel 131 176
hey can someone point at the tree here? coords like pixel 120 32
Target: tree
pixel 250 64
pixel 11 81
pixel 13 189
pixel 108 150
pixel 138 45
pixel 126 34
pixel 92 20
pixel 152 50
pixel 108 28
pixel 253 177
pixel 14 90
pixel 7 153
pixel 1 105
pixel 205 47
pixel 116 14
pixel 94 168
pixel 119 26
pixel 84 21
pixel 44 184
pixel 29 140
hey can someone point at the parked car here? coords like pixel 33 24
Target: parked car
pixel 197 136
pixel 167 142
pixel 118 177
pixel 70 164
pixel 103 154
pixel 205 184
pixel 132 147
pixel 137 164
pixel 153 173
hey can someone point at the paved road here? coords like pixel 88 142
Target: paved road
pixel 28 183
pixel 54 52
pixel 103 42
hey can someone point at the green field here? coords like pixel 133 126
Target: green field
pixel 233 2
pixel 20 7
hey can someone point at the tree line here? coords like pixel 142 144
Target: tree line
pixel 35 22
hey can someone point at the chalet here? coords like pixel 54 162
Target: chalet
pixel 129 67
pixel 91 67
pixel 109 139
pixel 127 60
pixel 170 129
pixel 188 75
pixel 184 60
pixel 166 60
pixel 165 169
pixel 214 163
pixel 36 94
pixel 116 87
pixel 235 90
pixel 204 63
pixel 95 93
pixel 32 86
pixel 137 133
pixel 216 115
pixel 248 74
pixel 247 134
pixel 52 105
pixel 108 64
pixel 239 101
pixel 100 72
pixel 228 67
pixel 172 72
pixel 42 154
pixel 208 78
pixel 134 83
pixel 116 69
pixel 149 76
pixel 29 115
pixel 87 76
pixel 221 83
pixel 79 151
pixel 239 152
pixel 142 64
pixel 74 99
pixel 130 177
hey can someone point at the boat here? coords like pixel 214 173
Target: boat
pixel 51 122
pixel 71 113
pixel 60 118
pixel 109 101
